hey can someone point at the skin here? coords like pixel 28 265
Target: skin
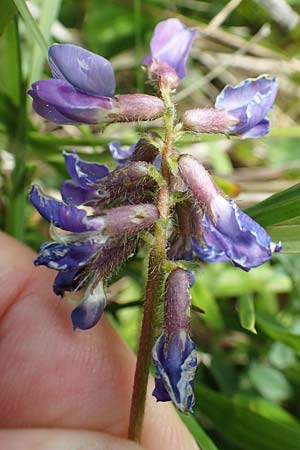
pixel 66 390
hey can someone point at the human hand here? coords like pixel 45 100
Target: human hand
pixel 60 389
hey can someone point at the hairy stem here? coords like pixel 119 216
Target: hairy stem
pixel 155 284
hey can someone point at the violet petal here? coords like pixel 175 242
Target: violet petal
pixel 66 256
pixel 66 217
pixel 71 103
pixel 65 280
pixel 84 173
pixel 88 313
pixel 175 360
pixel 86 71
pixel 171 43
pixel 48 111
pixel 119 154
pixel 74 195
pixel 233 234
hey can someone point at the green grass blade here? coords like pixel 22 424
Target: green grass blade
pixel 49 12
pixel 243 427
pixel 31 25
pixel 199 434
pixel 278 208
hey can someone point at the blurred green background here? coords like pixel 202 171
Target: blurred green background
pixel 248 380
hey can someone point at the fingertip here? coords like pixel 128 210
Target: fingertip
pixel 57 439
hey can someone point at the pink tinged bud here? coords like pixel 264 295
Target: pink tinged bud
pixel 198 180
pixel 137 107
pixel 165 74
pixel 177 308
pixel 129 219
pixel 208 120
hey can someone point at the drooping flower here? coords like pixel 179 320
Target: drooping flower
pixel 240 110
pixel 170 47
pixel 174 353
pixel 82 90
pixel 226 232
pixel 93 245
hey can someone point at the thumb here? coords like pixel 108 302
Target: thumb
pixel 57 439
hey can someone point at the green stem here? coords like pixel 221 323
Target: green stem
pixel 154 287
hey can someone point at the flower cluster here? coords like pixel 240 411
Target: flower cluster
pixel 102 213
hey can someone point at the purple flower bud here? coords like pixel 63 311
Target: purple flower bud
pixel 227 233
pixel 174 353
pixel 170 46
pixel 247 104
pixel 89 312
pixel 136 107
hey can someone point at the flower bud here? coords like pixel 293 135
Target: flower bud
pixel 136 107
pixel 165 74
pixel 129 219
pixel 207 120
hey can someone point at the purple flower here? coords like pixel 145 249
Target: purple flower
pixel 88 313
pixel 175 360
pixel 247 105
pixel 82 90
pixel 240 110
pixel 170 47
pixel 228 234
pixel 225 231
pixel 91 244
pixel 174 353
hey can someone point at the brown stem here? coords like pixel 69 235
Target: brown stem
pixel 154 287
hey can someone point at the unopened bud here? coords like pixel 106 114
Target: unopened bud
pixel 136 107
pixel 198 179
pixel 177 308
pixel 129 219
pixel 163 73
pixel 207 120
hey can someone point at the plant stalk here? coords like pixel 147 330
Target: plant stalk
pixel 154 286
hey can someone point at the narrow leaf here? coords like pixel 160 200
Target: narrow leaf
pixel 247 312
pixel 31 25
